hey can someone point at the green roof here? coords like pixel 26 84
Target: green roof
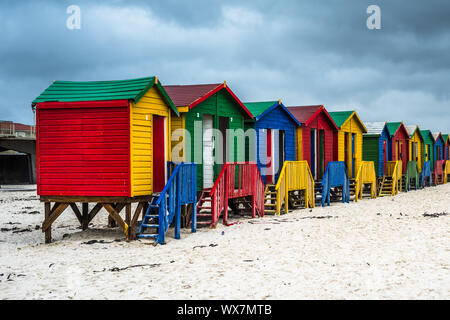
pixel 393 127
pixel 445 137
pixel 426 134
pixel 131 89
pixel 339 117
pixel 256 108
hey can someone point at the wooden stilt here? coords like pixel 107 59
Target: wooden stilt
pixel 111 222
pixel 55 206
pixel 138 210
pixel 116 217
pixel 48 232
pixel 94 211
pixel 85 217
pixel 77 212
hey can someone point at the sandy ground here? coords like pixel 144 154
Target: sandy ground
pixel 388 248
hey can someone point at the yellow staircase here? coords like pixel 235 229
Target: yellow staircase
pixel 447 171
pixel 295 177
pixel 365 176
pixel 392 182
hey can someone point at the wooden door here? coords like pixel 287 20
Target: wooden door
pixel 281 152
pixel 159 153
pixel 385 158
pixel 269 159
pixel 208 149
pixel 353 156
pixel 321 153
pixel 314 153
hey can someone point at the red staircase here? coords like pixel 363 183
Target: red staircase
pixel 238 181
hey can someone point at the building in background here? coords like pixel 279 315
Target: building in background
pixel 17 153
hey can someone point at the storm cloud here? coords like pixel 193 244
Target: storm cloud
pixel 302 52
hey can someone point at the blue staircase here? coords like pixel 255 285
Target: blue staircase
pixel 335 177
pixel 165 207
pixel 425 175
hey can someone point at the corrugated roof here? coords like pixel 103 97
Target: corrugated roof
pixel 192 95
pixel 375 128
pixel 186 95
pixel 131 89
pixel 340 117
pixel 304 113
pixel 393 127
pixel 256 108
pixel 426 133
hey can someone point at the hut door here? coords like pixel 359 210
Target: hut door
pixel 346 153
pixel 427 152
pixel 223 153
pixel 314 153
pixel 269 160
pixel 281 154
pixel 321 153
pixel 159 153
pixel 385 160
pixel 353 156
pixel 208 147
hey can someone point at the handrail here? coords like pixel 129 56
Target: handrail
pixel 295 175
pixel 412 172
pixel 446 170
pixel 249 183
pixel 438 171
pixel 366 174
pixel 180 189
pixel 394 169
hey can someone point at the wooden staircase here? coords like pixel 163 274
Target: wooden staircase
pixel 352 187
pixel 149 228
pixel 387 187
pixel 204 217
pixel 270 199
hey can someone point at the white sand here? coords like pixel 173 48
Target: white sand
pixel 373 249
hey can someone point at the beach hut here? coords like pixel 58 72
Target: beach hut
pixel 315 137
pixel 398 143
pixel 375 146
pixel 104 142
pixel 212 135
pixel 446 138
pixel 439 158
pixel 416 145
pixel 274 137
pixel 207 110
pixel 428 150
pixel 349 139
pixel 439 146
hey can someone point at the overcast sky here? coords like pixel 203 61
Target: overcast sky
pixel 303 52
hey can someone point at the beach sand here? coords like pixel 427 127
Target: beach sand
pixel 387 248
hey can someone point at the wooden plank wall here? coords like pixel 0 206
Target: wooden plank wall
pixel 83 151
pixel 141 124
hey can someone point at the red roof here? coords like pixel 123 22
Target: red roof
pixel 183 96
pixel 305 114
pixel 192 95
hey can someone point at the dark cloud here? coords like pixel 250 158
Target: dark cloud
pixel 304 52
